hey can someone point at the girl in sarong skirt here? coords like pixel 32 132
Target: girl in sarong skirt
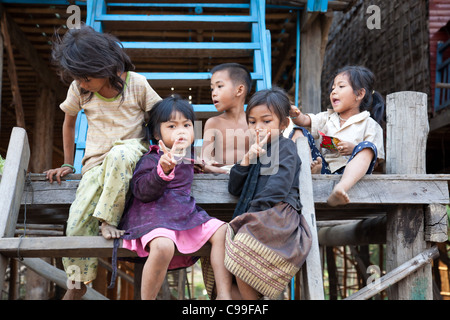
pixel 268 239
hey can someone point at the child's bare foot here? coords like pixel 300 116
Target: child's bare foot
pixel 316 166
pixel 110 232
pixel 76 293
pixel 338 197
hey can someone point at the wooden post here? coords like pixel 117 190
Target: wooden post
pixel 312 270
pixel 364 232
pixel 407 132
pixel 58 276
pixel 43 130
pixel 314 37
pixel 12 72
pixel 11 188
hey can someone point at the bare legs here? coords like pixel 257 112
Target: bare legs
pixel 222 276
pixel 155 268
pixel 354 171
pixel 161 253
pixel 77 292
pixel 247 292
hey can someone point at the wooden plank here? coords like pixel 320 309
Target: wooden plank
pixel 364 232
pixel 80 246
pixel 29 52
pixel 57 276
pixel 407 133
pixel 11 187
pixel 210 189
pixel 399 273
pixel 436 223
pixel 12 72
pixel 312 270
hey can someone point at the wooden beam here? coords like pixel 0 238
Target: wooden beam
pixel 42 146
pixel 95 246
pixel 313 43
pixel 211 189
pixel 11 188
pixel 20 40
pixel 364 232
pixel 57 276
pixel 407 132
pixel 12 72
pixel 312 270
pixel 436 223
pixel 394 276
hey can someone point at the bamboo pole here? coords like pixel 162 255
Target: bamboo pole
pixel 396 275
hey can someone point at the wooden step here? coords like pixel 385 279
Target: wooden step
pixel 94 246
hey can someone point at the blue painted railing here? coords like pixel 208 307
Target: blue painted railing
pixel 260 44
pixel 442 91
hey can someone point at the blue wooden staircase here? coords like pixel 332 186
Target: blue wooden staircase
pixel 248 16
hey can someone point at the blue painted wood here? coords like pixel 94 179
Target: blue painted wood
pixel 187 75
pixel 317 5
pixel 182 5
pixel 442 96
pixel 81 127
pixel 297 60
pixel 174 18
pixel 260 46
pixel 192 45
pixel 44 2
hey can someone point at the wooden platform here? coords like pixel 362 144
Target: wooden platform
pixel 412 203
pixel 372 196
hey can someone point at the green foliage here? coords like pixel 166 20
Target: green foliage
pixel 2 163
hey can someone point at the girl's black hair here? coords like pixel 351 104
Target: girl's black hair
pixel 162 111
pixel 362 78
pixel 275 99
pixel 83 53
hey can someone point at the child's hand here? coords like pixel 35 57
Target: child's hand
pixel 345 148
pixel 256 150
pixel 58 173
pixel 294 112
pixel 167 161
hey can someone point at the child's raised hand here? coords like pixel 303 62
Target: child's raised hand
pixel 294 112
pixel 167 161
pixel 256 150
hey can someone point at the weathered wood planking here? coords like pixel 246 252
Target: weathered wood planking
pixel 95 246
pixel 11 187
pixel 312 269
pixel 57 276
pixel 406 140
pixel 211 189
pixel 399 273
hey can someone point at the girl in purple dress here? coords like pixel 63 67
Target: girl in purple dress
pixel 162 215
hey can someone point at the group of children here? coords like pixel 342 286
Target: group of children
pixel 140 192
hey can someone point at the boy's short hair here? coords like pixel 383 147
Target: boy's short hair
pixel 238 74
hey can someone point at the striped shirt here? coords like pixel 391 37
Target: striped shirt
pixel 110 120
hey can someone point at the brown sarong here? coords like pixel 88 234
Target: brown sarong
pixel 266 249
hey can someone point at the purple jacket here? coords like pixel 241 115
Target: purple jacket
pixel 160 203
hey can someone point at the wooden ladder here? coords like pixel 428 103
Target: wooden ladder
pixel 102 16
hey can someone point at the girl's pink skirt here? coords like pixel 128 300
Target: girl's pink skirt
pixel 186 241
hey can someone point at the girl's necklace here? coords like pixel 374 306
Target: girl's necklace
pixel 342 119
